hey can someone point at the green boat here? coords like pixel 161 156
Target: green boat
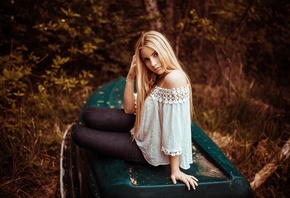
pixel 85 174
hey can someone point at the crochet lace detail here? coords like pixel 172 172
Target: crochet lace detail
pixel 171 96
pixel 172 153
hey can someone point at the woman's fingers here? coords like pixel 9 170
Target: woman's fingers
pixel 193 182
pixel 133 62
pixel 173 179
pixel 188 180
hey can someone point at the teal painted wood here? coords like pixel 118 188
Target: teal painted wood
pixel 107 177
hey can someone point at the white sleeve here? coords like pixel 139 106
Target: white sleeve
pixel 175 119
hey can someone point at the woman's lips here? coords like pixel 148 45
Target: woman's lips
pixel 157 69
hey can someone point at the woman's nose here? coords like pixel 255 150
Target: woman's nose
pixel 153 62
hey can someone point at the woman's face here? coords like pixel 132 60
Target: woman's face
pixel 151 60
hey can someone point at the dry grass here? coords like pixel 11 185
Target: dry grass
pixel 249 131
pixel 25 188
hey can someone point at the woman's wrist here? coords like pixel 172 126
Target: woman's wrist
pixel 174 163
pixel 130 80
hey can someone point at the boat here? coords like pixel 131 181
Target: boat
pixel 85 174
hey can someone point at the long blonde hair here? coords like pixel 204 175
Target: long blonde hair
pixel 145 79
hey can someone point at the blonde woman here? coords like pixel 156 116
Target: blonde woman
pixel 161 129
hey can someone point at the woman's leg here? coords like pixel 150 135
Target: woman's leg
pixel 106 119
pixel 112 144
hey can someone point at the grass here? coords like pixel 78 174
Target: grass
pixel 250 128
pixel 30 142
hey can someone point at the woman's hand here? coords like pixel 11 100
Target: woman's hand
pixel 188 180
pixel 176 174
pixel 132 71
pixel 129 99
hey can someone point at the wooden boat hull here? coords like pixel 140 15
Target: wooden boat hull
pixel 86 174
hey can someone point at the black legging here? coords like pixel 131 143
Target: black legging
pixel 106 132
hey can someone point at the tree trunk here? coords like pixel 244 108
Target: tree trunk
pixel 182 28
pixel 271 167
pixel 154 15
pixel 169 21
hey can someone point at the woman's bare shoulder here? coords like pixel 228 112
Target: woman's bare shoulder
pixel 174 79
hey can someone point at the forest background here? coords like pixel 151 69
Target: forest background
pixel 53 54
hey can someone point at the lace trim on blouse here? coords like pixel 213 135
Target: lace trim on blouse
pixel 171 96
pixel 172 153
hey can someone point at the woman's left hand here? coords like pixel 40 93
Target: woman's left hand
pixel 188 180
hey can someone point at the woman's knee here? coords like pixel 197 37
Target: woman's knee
pixel 79 135
pixel 91 114
pixel 107 119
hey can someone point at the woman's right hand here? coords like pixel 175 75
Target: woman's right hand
pixel 132 71
pixel 129 99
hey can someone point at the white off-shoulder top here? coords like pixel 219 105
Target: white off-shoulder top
pixel 165 127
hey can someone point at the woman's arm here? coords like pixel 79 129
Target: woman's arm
pixel 176 174
pixel 129 100
pixel 177 79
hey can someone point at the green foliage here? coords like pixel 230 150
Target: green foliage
pixel 91 34
pixel 33 107
pixel 49 59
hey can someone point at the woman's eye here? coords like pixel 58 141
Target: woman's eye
pixel 155 54
pixel 145 60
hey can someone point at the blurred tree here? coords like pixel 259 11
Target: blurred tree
pixel 90 32
pixel 49 52
pixel 267 31
pixel 153 13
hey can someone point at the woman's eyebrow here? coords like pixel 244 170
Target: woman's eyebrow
pixel 153 53
pixel 150 55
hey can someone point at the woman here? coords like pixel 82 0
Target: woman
pixel 162 129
